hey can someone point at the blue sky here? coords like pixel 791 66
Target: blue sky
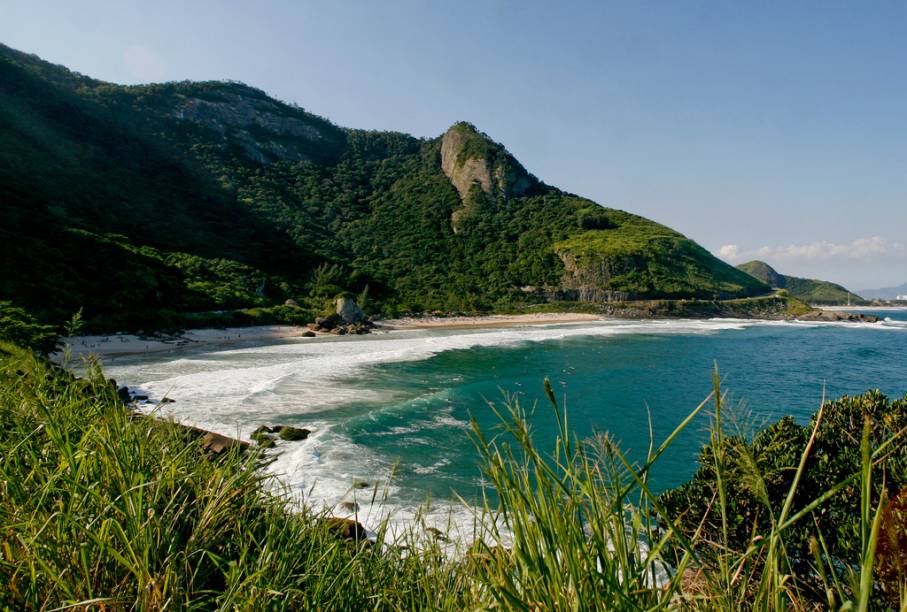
pixel 761 129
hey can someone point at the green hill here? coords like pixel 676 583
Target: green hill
pixel 143 203
pixel 807 289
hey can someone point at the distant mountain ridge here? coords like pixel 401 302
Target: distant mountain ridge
pixel 885 293
pixel 141 202
pixel 809 290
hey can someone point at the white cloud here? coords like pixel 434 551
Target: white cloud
pixel 730 252
pixel 861 249
pixel 144 64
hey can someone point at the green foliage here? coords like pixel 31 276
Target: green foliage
pixel 808 290
pixel 146 202
pixel 642 260
pixel 759 474
pixel 21 328
pixel 100 507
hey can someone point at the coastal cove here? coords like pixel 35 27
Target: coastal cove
pixel 393 409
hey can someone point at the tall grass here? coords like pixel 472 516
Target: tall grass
pixel 580 528
pixel 99 509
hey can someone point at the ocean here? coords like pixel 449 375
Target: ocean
pixel 393 410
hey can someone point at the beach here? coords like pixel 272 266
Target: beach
pixel 111 345
pixel 130 344
pixel 466 322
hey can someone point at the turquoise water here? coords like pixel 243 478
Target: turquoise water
pixel 400 403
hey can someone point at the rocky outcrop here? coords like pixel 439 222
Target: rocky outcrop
pixel 352 321
pixel 349 311
pixel 265 435
pixel 469 157
pixel 834 316
pixel 588 281
pixel 217 444
pixel 292 434
pixel 264 129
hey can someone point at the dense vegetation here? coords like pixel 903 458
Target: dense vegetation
pixel 809 290
pixel 102 508
pixel 141 204
pixel 760 472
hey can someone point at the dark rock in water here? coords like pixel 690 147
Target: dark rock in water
pixel 437 534
pixel 217 444
pixel 348 529
pixel 266 442
pixel 140 398
pixel 263 437
pixel 292 434
pixel 308 334
pixel 166 400
pixel 360 484
pixel 348 506
pixel 123 394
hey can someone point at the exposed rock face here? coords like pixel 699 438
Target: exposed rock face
pixel 264 129
pixel 349 311
pixel 587 283
pixel 469 157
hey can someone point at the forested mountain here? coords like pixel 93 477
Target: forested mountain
pixel 809 290
pixel 142 203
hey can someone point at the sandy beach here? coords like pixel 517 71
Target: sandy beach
pixel 129 344
pixel 539 318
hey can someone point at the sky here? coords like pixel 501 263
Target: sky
pixel 772 130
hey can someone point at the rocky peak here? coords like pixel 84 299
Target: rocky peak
pixel 469 157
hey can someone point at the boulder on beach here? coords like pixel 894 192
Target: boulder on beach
pixel 349 311
pixel 308 334
pixel 326 323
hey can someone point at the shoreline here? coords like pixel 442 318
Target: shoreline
pixel 485 321
pixel 115 345
pixel 121 345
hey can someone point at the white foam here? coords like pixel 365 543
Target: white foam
pixel 233 391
